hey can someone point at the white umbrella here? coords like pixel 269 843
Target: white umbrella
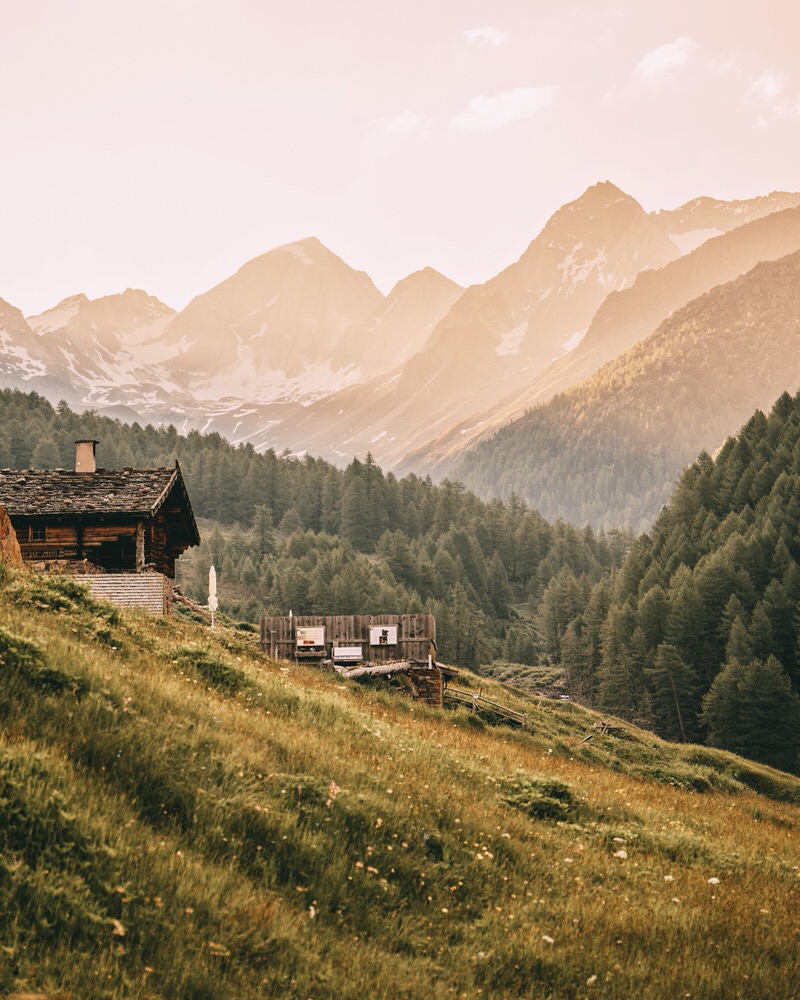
pixel 212 593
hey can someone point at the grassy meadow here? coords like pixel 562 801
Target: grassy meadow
pixel 183 819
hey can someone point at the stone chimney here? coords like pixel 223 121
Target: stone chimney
pixel 85 460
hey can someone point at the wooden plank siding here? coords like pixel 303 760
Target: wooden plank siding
pixel 413 656
pixel 415 633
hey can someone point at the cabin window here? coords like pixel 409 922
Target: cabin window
pixel 38 533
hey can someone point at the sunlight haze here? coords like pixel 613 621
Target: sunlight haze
pixel 161 146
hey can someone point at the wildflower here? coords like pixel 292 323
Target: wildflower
pixel 548 939
pixel 591 980
pixel 312 912
pixel 621 854
pixel 332 793
pixel 669 878
pixel 119 929
pixel 713 881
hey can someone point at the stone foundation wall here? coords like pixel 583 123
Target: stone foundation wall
pixel 151 591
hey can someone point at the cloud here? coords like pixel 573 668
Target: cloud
pixel 661 61
pixel 502 109
pixel 402 126
pixel 485 38
pixel 767 93
pixel 766 88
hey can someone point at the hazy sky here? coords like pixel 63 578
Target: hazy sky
pixel 163 143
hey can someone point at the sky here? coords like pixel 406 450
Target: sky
pixel 162 144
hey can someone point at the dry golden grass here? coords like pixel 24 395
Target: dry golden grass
pixel 182 818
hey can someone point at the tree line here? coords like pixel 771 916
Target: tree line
pixel 690 630
pixel 301 534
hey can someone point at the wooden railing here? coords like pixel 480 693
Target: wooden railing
pixel 480 704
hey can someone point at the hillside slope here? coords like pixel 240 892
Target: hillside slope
pixel 169 830
pixel 608 451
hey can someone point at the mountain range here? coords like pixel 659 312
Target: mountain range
pixel 298 350
pixel 609 450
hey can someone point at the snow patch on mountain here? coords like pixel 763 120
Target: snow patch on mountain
pixel 686 242
pixel 243 382
pixel 57 317
pixel 511 341
pixel 21 361
pixel 575 271
pixel 573 341
pixel 297 250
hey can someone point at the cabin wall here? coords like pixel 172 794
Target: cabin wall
pixel 414 636
pixel 113 546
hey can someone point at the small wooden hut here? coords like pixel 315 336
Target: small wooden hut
pixel 402 646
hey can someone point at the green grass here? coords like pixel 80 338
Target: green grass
pixel 181 818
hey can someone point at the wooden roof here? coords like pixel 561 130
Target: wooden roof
pixel 43 493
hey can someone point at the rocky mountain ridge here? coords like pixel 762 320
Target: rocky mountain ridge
pixel 298 350
pixel 623 319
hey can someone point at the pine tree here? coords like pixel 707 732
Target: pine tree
pixel 497 586
pixel 673 690
pixel 752 710
pixel 263 535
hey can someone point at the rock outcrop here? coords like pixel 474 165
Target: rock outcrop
pixel 9 546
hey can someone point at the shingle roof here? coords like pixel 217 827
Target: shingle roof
pixel 37 492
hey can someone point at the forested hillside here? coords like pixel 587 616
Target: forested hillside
pixel 300 534
pixel 697 637
pixel 608 451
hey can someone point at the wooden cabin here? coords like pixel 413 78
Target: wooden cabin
pixel 401 646
pixel 121 529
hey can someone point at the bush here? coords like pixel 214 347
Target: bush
pixel 539 798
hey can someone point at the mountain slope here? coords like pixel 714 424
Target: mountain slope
pixel 401 324
pixel 624 318
pixel 105 349
pixel 498 335
pixel 608 450
pixel 273 329
pixel 168 829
